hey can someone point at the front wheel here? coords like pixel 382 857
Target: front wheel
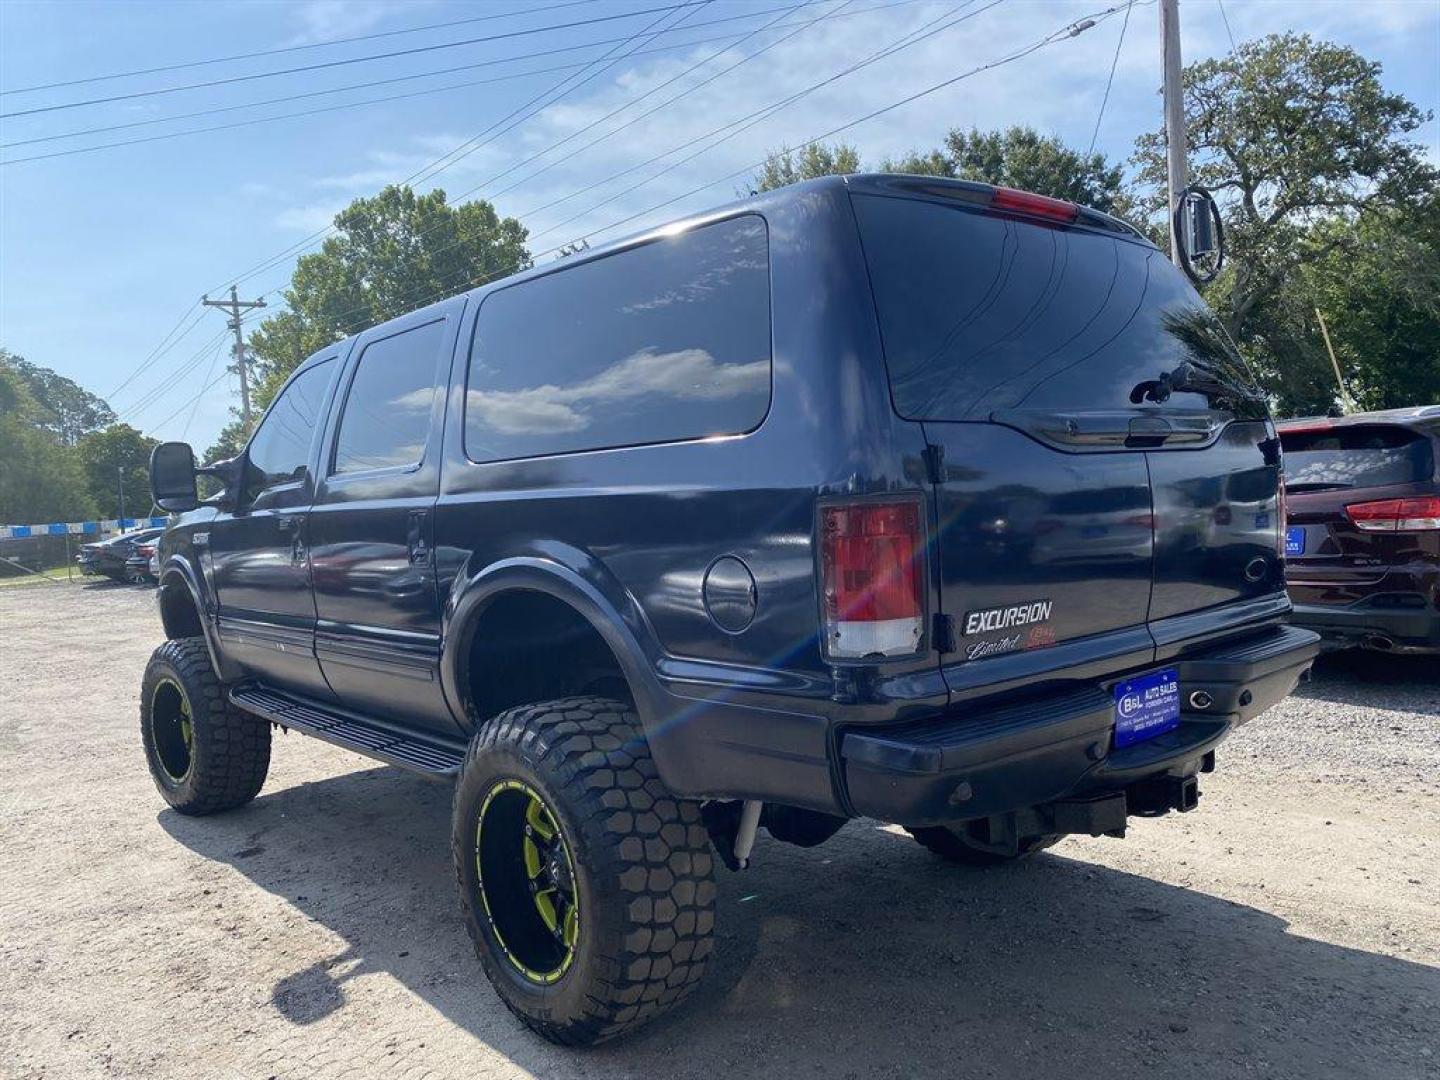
pixel 204 754
pixel 587 887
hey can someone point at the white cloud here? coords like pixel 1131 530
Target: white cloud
pixel 326 20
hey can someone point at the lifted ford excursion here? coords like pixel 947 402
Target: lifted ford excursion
pixel 887 496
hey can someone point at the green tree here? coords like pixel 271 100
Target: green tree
pixel 110 454
pixel 61 406
pixel 1285 131
pixel 1020 157
pixel 393 252
pixel 1378 285
pixel 40 477
pixel 786 166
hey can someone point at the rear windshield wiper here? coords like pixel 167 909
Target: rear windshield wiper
pixel 1191 376
pixel 1316 486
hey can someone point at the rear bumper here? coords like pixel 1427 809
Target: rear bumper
pixel 1057 750
pixel 1390 629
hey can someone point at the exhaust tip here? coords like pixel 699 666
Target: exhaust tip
pixel 1381 642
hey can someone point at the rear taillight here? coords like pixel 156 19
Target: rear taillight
pixel 1396 515
pixel 145 549
pixel 871 555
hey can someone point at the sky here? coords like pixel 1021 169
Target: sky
pixel 104 254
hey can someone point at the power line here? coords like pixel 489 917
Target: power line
pixel 209 368
pixel 353 60
pixel 1226 19
pixel 162 348
pixel 292 48
pixel 155 393
pixel 441 163
pixel 650 112
pixel 633 37
pixel 489 135
pixel 371 83
pixel 368 84
pixel 1114 62
pixel 1063 33
pixel 923 32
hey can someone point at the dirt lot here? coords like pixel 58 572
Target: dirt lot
pixel 1291 928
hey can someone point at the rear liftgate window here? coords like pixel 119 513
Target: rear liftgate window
pixel 666 341
pixel 1365 455
pixel 980 312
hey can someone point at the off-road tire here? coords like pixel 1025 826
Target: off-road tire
pixel 643 868
pixel 230 749
pixel 955 848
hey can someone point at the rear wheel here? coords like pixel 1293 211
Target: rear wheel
pixel 957 847
pixel 204 754
pixel 587 888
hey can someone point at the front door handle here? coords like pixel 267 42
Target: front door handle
pixel 286 522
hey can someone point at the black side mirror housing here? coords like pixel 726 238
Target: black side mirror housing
pixel 172 477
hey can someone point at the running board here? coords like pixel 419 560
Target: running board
pixel 435 759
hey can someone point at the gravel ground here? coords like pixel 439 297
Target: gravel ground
pixel 1289 929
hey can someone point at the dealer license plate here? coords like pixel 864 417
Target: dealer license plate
pixel 1146 706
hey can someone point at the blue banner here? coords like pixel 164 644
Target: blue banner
pixel 60 528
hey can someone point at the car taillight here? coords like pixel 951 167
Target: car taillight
pixel 145 549
pixel 1396 515
pixel 871 556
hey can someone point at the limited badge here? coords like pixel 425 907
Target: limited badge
pixel 989 620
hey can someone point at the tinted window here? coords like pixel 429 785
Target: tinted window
pixel 666 341
pixel 1361 456
pixel 386 421
pixel 980 312
pixel 280 448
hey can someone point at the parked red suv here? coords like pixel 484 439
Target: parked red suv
pixel 1363 543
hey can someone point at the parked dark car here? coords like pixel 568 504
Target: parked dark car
pixel 112 557
pixel 896 497
pixel 143 567
pixel 1363 545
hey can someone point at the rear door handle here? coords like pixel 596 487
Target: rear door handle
pixel 419 550
pixel 286 522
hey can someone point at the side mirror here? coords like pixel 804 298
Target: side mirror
pixel 172 477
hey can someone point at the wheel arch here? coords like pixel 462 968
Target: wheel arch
pixel 183 612
pixel 594 598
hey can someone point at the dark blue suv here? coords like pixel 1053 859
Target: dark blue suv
pixel 883 496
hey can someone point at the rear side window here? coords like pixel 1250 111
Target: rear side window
pixel 980 312
pixel 667 341
pixel 280 447
pixel 386 421
pixel 1362 455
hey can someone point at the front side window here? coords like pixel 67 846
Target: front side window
pixel 386 421
pixel 666 341
pixel 280 449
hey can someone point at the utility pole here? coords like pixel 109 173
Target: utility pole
pixel 120 487
pixel 1175 170
pixel 235 306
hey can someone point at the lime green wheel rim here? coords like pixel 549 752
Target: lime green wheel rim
pixel 172 728
pixel 526 880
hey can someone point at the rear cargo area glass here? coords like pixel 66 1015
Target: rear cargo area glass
pixel 980 311
pixel 1362 456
